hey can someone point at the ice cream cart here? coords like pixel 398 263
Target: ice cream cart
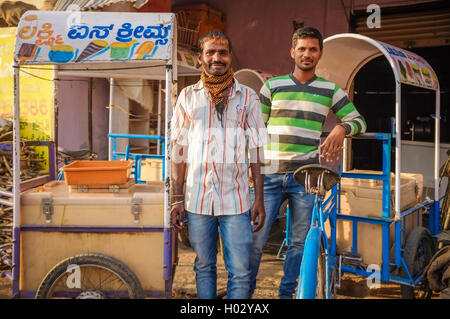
pixel 67 244
pixel 379 234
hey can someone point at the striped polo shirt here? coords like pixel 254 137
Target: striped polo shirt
pixel 295 113
pixel 217 151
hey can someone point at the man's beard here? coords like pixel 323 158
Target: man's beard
pixel 305 68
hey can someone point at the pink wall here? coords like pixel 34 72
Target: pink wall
pixel 261 30
pixel 73 115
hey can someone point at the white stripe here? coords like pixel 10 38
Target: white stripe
pixel 363 125
pixel 323 85
pixel 292 130
pixel 301 106
pixel 350 116
pixel 281 82
pixel 338 96
pixel 265 92
pixel 289 156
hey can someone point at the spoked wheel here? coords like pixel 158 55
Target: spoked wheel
pixel 90 276
pixel 419 250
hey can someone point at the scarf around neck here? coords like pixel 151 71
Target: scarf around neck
pixel 218 85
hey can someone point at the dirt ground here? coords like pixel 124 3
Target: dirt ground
pixel 269 277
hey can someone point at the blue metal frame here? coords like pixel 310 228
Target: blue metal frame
pixel 385 222
pixel 323 210
pixel 137 157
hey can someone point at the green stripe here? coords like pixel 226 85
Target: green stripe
pixel 344 111
pixel 288 121
pixel 302 96
pixel 355 127
pixel 265 109
pixel 285 147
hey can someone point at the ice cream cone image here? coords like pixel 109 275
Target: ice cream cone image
pixel 145 50
pixel 94 47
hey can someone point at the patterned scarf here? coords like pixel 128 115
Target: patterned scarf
pixel 218 88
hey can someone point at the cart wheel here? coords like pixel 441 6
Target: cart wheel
pixel 90 276
pixel 418 252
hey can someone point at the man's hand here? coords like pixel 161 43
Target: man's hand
pixel 331 148
pixel 177 215
pixel 258 211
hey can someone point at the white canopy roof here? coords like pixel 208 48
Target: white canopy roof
pixel 345 54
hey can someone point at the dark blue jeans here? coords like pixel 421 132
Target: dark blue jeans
pixel 278 188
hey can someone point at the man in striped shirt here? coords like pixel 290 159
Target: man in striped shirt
pixel 294 108
pixel 216 123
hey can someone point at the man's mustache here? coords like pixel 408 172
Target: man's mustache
pixel 217 63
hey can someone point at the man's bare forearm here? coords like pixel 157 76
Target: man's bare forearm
pixel 178 171
pixel 258 178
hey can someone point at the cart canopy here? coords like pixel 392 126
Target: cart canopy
pixel 345 54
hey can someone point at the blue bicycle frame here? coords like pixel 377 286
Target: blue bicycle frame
pixel 322 211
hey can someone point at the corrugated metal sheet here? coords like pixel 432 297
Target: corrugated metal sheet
pixel 63 5
pixel 425 28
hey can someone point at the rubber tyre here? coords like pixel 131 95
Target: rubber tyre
pixel 95 260
pixel 419 250
pixel 321 278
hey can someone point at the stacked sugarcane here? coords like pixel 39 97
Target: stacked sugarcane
pixel 29 168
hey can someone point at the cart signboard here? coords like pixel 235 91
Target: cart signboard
pixel 49 37
pixel 413 69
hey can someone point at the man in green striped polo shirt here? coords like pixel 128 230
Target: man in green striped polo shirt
pixel 294 108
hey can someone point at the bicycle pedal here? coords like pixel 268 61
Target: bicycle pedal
pixel 350 258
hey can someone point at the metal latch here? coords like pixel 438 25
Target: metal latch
pixel 136 208
pixel 47 209
pixel 114 188
pixel 82 188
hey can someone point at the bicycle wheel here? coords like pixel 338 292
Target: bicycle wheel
pixel 90 276
pixel 419 250
pixel 321 291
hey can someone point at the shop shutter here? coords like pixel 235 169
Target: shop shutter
pixel 408 29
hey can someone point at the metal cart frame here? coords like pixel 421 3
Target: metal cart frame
pixel 357 50
pixel 157 65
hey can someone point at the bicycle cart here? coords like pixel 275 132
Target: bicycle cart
pixel 368 237
pixel 82 241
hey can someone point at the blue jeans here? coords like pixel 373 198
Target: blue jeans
pixel 278 188
pixel 237 245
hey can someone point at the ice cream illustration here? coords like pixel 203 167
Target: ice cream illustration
pixel 146 50
pixel 410 73
pixel 121 50
pixel 61 53
pixel 427 77
pixel 92 49
pixel 402 70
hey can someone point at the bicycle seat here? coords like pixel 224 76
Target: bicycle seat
pixel 316 178
pixel 80 154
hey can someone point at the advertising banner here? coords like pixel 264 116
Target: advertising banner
pixel 55 37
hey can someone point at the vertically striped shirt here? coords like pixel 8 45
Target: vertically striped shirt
pixel 217 154
pixel 295 113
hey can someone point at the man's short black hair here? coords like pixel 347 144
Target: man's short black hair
pixel 307 32
pixel 213 35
